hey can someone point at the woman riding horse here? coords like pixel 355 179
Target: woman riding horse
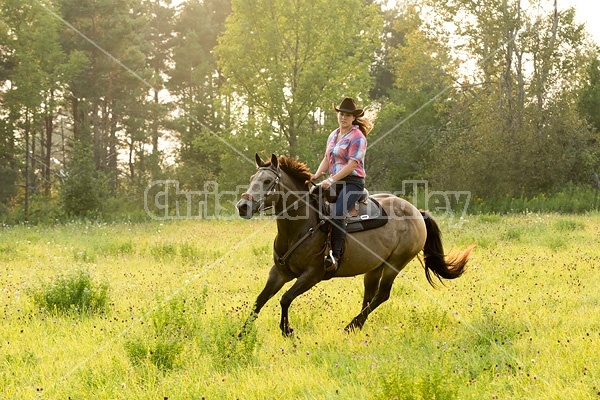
pixel 344 159
pixel 380 254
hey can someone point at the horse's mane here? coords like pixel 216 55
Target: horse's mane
pixel 296 169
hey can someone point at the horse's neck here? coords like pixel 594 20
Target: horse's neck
pixel 296 225
pixel 295 215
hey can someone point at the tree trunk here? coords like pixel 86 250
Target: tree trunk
pixel 49 125
pixel 26 133
pixel 77 119
pixel 155 124
pixel 97 139
pixel 112 149
pixel 131 160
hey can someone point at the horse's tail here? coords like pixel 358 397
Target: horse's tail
pixel 435 259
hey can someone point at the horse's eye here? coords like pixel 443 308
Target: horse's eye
pixel 268 181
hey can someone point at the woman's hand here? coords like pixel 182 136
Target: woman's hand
pixel 326 184
pixel 314 177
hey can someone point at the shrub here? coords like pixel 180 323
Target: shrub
pixel 162 252
pixel 568 225
pixel 72 293
pixel 170 327
pixel 162 350
pixel 179 324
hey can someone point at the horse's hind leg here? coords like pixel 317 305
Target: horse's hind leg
pixel 371 280
pixel 381 295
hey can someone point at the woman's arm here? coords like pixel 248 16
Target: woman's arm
pixel 323 167
pixel 344 172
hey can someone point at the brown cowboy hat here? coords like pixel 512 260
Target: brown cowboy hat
pixel 349 106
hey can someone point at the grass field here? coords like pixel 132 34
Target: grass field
pixel 522 323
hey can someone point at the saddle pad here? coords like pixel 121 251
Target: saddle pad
pixel 371 215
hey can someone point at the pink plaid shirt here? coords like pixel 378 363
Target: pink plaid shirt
pixel 352 146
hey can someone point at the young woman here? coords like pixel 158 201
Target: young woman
pixel 344 161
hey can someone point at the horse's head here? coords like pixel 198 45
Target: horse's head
pixel 263 191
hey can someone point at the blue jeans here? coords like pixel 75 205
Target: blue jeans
pixel 349 193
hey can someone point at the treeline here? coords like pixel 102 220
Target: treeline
pixel 99 99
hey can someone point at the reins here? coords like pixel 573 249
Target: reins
pixel 311 231
pixel 281 260
pixel 295 205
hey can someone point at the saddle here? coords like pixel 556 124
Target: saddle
pixel 366 214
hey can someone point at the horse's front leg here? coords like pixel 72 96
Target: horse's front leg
pixel 304 282
pixel 274 283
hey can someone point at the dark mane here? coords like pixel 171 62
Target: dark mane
pixel 297 170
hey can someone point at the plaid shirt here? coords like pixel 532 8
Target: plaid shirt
pixel 352 146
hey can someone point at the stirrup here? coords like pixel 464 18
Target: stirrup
pixel 330 263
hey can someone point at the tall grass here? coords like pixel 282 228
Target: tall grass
pixel 518 324
pixel 177 323
pixel 171 325
pixel 570 199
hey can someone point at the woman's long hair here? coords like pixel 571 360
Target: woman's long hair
pixel 365 123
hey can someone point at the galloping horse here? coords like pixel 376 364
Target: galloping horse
pixel 380 254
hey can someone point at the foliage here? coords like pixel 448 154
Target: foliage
pixel 417 385
pixel 511 131
pixel 288 63
pixel 571 199
pixel 176 323
pixel 72 293
pixel 80 189
pixel 229 349
pixel 195 80
pixel 589 100
pixel 100 100
pixel 412 112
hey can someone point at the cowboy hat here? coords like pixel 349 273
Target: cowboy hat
pixel 349 106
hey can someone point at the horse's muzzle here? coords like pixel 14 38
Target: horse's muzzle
pixel 246 207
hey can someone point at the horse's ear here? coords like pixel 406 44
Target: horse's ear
pixel 259 161
pixel 274 161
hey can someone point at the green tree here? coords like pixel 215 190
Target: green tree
pixel 8 170
pixel 412 110
pixel 8 167
pixel 158 37
pixel 513 129
pixel 589 104
pixel 195 82
pixel 288 61
pixel 108 85
pixel 589 100
pixel 80 194
pixel 34 75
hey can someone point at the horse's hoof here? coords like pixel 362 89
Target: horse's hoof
pixel 352 327
pixel 287 332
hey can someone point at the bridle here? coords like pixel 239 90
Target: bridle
pixel 295 205
pixel 273 188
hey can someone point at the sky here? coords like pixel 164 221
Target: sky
pixel 588 12
pixel 585 10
